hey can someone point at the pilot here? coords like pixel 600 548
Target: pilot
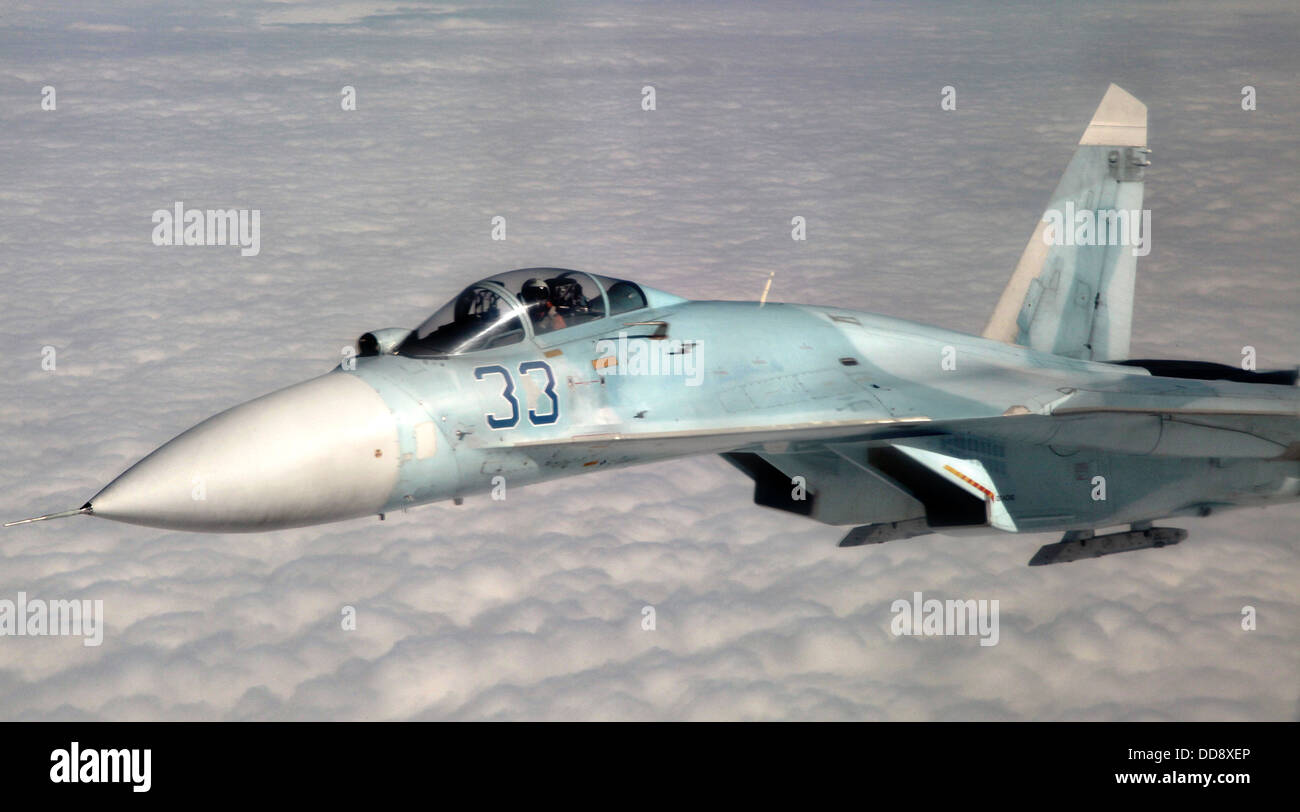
pixel 536 295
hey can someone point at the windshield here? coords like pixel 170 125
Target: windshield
pixel 479 318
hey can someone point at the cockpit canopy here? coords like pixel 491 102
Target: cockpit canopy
pixel 504 309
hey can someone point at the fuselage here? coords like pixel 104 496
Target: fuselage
pixel 388 432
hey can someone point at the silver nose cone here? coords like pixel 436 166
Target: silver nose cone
pixel 318 451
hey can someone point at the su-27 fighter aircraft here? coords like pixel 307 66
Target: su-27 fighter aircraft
pixel 891 427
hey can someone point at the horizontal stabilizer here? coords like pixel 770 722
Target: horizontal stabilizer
pixel 1209 371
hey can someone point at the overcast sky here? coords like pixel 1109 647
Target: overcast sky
pixel 531 608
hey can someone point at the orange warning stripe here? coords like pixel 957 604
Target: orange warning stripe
pixel 987 493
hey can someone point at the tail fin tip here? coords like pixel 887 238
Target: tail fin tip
pixel 1120 121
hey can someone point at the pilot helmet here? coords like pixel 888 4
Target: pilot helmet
pixel 534 291
pixel 566 293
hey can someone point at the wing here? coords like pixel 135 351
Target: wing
pixel 906 476
pixel 1161 417
pixel 1136 415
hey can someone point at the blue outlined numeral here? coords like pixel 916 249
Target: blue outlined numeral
pixel 554 414
pixel 508 393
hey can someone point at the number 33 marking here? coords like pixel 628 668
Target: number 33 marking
pixel 508 393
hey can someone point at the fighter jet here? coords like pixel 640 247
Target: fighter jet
pixel 891 428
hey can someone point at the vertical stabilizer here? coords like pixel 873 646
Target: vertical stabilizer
pixel 1072 290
